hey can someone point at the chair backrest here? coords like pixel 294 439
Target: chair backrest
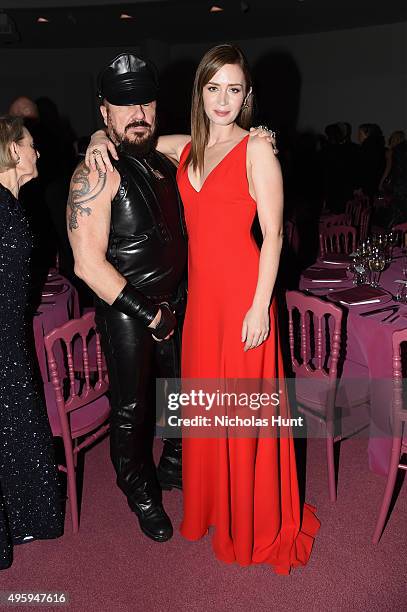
pixel 362 197
pixel 364 224
pixel 86 384
pixel 340 219
pixel 399 369
pixel 337 239
pixel 400 227
pixel 314 335
pixel 354 209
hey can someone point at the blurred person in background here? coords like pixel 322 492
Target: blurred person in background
pixel 394 139
pixel 372 158
pixel 54 139
pixel 338 167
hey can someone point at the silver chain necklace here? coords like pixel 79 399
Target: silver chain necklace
pixel 155 172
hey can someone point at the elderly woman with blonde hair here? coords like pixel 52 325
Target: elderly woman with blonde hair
pixel 30 504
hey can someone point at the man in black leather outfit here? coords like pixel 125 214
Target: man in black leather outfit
pixel 127 234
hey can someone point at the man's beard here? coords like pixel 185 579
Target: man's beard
pixel 141 144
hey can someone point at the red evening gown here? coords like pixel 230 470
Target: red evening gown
pixel 246 489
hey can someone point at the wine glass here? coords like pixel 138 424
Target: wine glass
pixel 377 263
pixel 359 275
pixel 377 240
pixel 404 267
pixel 387 248
pixel 401 295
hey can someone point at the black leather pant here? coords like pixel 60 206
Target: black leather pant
pixel 134 360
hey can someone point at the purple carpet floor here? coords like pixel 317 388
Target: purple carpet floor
pixel 111 566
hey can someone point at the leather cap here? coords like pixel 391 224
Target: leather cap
pixel 128 80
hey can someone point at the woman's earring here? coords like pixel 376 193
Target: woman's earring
pixel 245 105
pixel 245 101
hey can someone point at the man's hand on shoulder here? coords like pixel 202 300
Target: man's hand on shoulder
pixel 263 132
pixel 264 174
pixel 261 150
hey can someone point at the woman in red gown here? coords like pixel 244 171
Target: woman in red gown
pixel 246 488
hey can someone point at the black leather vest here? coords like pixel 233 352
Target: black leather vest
pixel 147 241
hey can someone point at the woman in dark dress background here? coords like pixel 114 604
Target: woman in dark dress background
pixel 30 503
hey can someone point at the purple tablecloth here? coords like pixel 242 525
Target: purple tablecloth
pixel 369 343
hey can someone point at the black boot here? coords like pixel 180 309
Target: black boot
pixel 131 452
pixel 169 469
pixel 146 503
pixel 153 519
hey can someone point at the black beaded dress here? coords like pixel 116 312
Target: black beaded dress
pixel 30 501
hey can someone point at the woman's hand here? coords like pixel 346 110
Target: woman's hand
pixel 256 326
pixel 97 153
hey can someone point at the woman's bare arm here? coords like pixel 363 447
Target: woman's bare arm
pixel 266 187
pixel 97 153
pixel 173 145
pixel 267 184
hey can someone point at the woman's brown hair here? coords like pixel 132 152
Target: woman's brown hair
pixel 212 61
pixel 11 130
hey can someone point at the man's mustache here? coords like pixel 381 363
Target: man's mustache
pixel 135 124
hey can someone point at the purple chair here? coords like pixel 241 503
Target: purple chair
pixel 399 447
pixel 315 346
pixel 329 220
pixel 354 208
pixel 337 239
pixel 92 349
pixel 76 401
pixel 364 224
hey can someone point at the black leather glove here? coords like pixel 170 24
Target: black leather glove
pixel 134 304
pixel 167 323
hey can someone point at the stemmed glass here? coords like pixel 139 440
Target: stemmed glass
pixel 378 240
pixel 401 295
pixel 404 263
pixel 391 240
pixel 358 267
pixel 377 263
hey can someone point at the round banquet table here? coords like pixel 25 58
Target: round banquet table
pixel 369 343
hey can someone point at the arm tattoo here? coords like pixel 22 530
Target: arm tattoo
pixel 80 194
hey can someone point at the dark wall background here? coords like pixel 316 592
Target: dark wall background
pixel 312 80
pixel 303 82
